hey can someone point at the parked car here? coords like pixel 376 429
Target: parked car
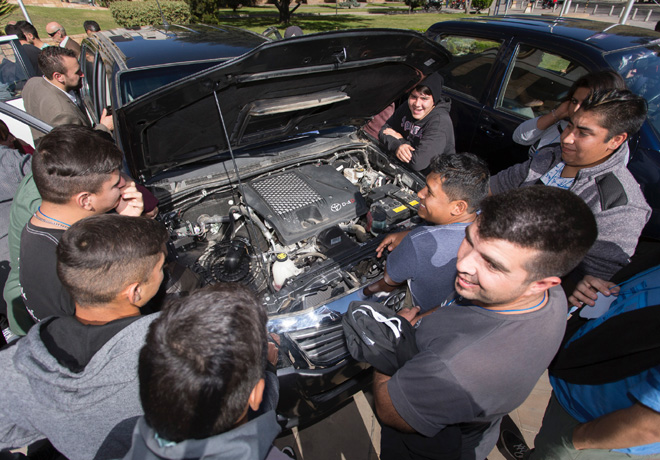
pixel 263 176
pixel 15 69
pixel 120 65
pixel 507 69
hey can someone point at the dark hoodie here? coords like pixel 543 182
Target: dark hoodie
pixel 431 136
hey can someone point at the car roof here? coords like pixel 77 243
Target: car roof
pixel 156 45
pixel 602 35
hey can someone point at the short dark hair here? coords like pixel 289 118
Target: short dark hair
pixel 201 359
pixel 465 176
pixel 72 159
pixel 50 60
pixel 28 28
pixel 14 29
pixel 598 81
pixel 620 111
pixel 99 256
pixel 554 221
pixel 91 26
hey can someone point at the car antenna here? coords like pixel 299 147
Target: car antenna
pixel 252 230
pixel 166 24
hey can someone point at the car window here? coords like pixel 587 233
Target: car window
pixel 87 57
pixel 12 73
pixel 640 68
pixel 102 91
pixel 471 63
pixel 138 82
pixel 537 81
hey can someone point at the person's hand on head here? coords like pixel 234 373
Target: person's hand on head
pixel 561 112
pixel 587 290
pixel 131 203
pixel 107 120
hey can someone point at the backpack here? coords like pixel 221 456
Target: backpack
pixel 377 335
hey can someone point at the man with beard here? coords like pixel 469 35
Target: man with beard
pixel 52 98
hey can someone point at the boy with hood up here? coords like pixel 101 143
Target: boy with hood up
pixel 422 129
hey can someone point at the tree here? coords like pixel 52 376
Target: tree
pixel 283 8
pixel 412 4
pixel 481 4
pixel 5 8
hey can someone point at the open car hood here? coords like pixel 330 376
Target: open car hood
pixel 277 90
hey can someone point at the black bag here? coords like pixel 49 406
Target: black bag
pixel 378 336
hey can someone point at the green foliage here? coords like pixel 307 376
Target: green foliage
pixel 5 8
pixel 481 4
pixel 135 14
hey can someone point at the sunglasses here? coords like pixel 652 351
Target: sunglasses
pixel 53 33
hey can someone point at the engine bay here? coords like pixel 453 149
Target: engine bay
pixel 301 235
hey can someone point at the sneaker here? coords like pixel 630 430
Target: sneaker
pixel 289 452
pixel 512 446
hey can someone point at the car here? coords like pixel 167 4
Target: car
pixel 507 69
pixel 120 65
pixel 255 151
pixel 15 69
pixel 264 177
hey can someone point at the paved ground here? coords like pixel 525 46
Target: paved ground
pixel 353 433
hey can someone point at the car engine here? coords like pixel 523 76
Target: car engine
pixel 301 235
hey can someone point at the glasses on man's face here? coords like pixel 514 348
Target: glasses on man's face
pixel 52 34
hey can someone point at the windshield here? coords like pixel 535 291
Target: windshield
pixel 640 67
pixel 135 83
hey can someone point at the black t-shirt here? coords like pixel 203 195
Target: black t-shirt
pixel 475 366
pixel 32 53
pixel 42 291
pixel 74 344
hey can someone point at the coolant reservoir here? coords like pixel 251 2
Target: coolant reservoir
pixel 283 269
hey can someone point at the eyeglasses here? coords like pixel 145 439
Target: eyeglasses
pixel 52 34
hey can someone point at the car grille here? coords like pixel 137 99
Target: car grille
pixel 322 346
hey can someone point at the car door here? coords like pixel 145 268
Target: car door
pixel 468 78
pixel 537 78
pixel 15 70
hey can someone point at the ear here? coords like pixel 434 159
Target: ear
pixel 59 77
pixel 538 286
pixel 83 200
pixel 617 140
pixel 458 207
pixel 257 395
pixel 133 293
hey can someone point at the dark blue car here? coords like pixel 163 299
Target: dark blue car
pixel 511 68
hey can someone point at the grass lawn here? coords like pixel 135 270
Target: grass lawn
pixel 312 18
pixel 71 18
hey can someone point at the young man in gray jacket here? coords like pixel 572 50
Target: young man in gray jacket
pixel 201 370
pixel 590 161
pixel 73 379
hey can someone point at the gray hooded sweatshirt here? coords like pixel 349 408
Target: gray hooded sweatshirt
pixel 86 415
pixel 250 441
pixel 612 194
pixel 13 167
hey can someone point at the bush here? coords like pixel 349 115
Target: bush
pixel 5 8
pixel 481 4
pixel 135 14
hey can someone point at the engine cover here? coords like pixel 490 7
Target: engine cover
pixel 301 202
